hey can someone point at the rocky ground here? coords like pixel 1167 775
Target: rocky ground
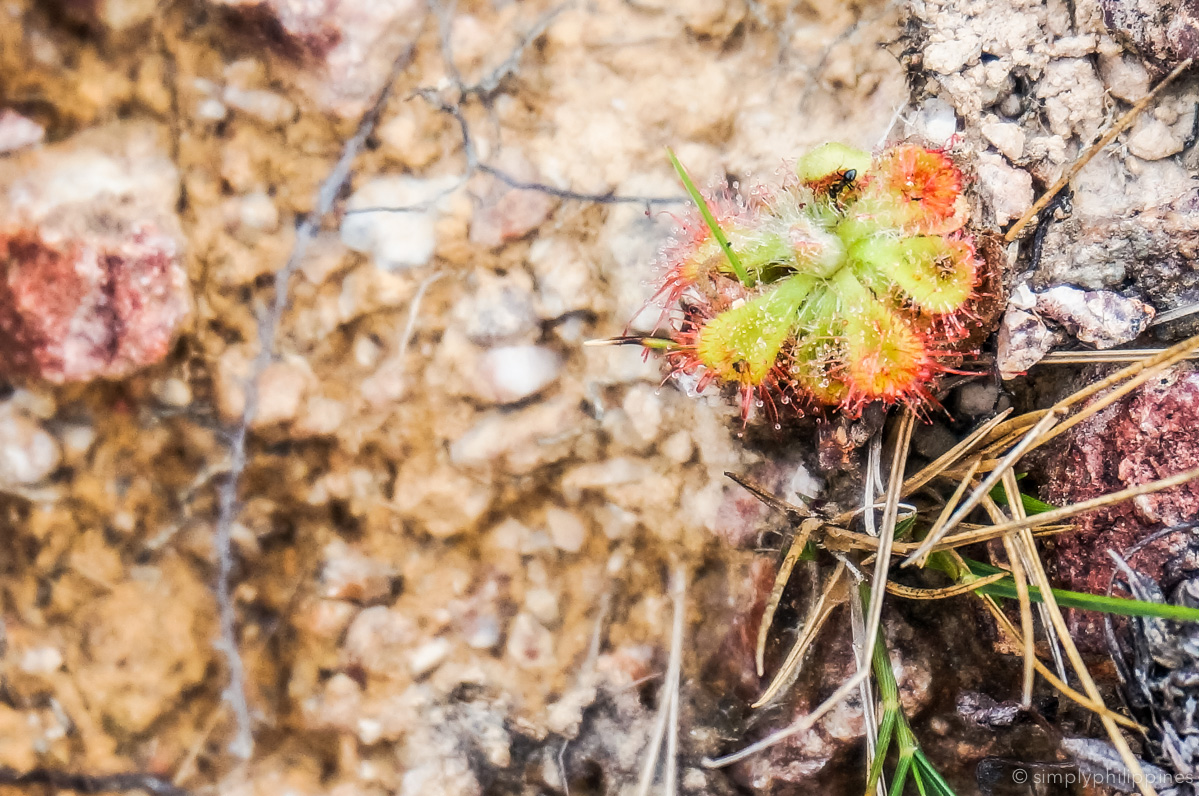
pixel 456 525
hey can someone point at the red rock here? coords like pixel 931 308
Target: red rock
pixel 1150 434
pixel 91 282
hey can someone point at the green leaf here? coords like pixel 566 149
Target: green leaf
pixel 706 212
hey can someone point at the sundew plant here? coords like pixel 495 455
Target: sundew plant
pixel 850 283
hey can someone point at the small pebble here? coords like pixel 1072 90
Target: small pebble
pixel 542 604
pixel 396 240
pixel 512 373
pixel 27 453
pixel 566 529
pixel 1023 341
pixel 347 574
pixel 17 132
pixel 1007 137
pixel 977 398
pixel 1152 139
pixel 380 640
pixel 935 123
pixel 1007 190
pixel 530 645
pixel 266 106
pixel 1101 317
pixel 678 447
pixel 429 656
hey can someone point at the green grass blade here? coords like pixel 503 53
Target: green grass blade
pixel 886 728
pixel 925 769
pixel 706 212
pixel 919 780
pixel 1120 606
pixel 1031 504
pixel 901 775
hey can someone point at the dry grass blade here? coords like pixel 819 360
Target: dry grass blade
pixel 953 455
pixel 1114 355
pixel 1121 124
pixel 909 593
pixel 1016 563
pixel 1055 516
pixel 798 542
pixel 1174 314
pixel 1030 439
pixel 793 512
pixel 667 707
pixel 873 615
pixel 947 510
pixel 1058 623
pixel 832 596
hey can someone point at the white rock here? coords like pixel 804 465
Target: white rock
pixel 1152 139
pixel 643 406
pixel 566 529
pixel 1022 297
pixel 380 641
pixel 935 123
pixel 440 499
pixel 804 484
pixel 1071 92
pixel 530 644
pixel 498 309
pixel 40 660
pixel 512 373
pixel 1101 317
pixel 27 453
pixel 517 440
pixel 211 110
pixel 349 574
pixel 266 106
pixel 1006 189
pixel 173 392
pixel 429 656
pixel 396 240
pixel 17 132
pixel 1023 341
pixel 281 391
pixel 563 275
pixel 256 211
pixel 948 57
pixel 1125 77
pixel 678 447
pixel 543 604
pixel 1007 137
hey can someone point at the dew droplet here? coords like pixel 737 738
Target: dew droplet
pixel 778 427
pixel 786 399
pixel 759 403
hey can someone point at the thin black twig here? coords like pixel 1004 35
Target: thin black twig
pixel 268 328
pixel 84 783
pixel 1061 204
